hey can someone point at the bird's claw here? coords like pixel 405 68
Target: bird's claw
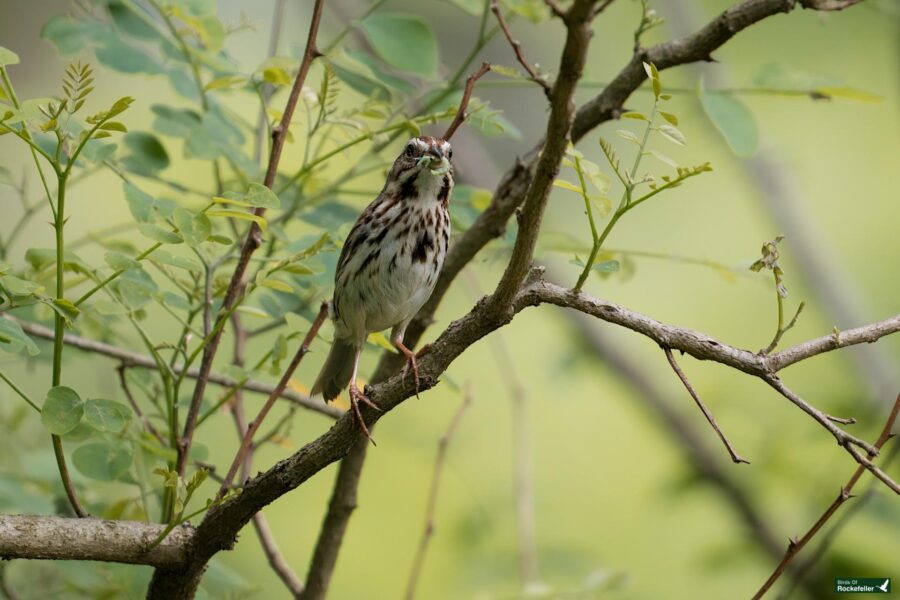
pixel 411 362
pixel 356 396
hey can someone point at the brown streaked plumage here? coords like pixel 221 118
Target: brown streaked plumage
pixel 389 263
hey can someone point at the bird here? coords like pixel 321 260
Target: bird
pixel 389 265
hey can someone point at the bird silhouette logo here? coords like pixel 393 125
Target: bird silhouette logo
pixel 885 586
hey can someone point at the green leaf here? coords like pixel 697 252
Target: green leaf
pixel 653 75
pixel 135 288
pixel 62 411
pixel 733 120
pixel 634 115
pixel 140 203
pixel 128 21
pixel 71 36
pixel 114 126
pixel 174 122
pixel 102 461
pixel 120 262
pixel 403 41
pixel 277 284
pixel 193 228
pixel 228 81
pixel 65 308
pixel 181 262
pixel 607 266
pixel 8 57
pixel 260 195
pixel 18 286
pixel 236 214
pixel 13 339
pixel 629 136
pixel 157 233
pixel 562 183
pixel 41 258
pixel 106 415
pixel 673 134
pixel 670 117
pixel 147 155
pixel 119 56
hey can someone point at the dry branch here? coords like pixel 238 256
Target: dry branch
pixel 795 546
pixel 517 49
pixel 735 457
pixel 462 110
pixel 59 538
pixel 433 490
pixel 251 242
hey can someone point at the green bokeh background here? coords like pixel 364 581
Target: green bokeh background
pixel 614 494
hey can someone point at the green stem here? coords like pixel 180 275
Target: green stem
pixel 625 203
pixel 59 324
pixel 18 390
pixel 11 92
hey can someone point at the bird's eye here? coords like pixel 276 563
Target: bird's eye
pixel 410 150
pixel 449 154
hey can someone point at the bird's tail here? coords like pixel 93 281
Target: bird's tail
pixel 337 370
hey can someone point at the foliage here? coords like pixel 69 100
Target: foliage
pixel 359 101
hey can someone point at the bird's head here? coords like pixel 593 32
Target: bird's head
pixel 425 154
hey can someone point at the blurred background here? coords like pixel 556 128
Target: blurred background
pixel 627 492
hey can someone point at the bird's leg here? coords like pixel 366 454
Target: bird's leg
pixel 357 396
pixel 410 359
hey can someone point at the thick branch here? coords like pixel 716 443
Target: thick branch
pixel 133 359
pixel 331 535
pixel 58 538
pixel 217 532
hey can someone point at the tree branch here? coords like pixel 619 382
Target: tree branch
pixel 59 538
pixel 260 523
pixel 697 455
pixel 462 111
pixel 133 359
pixel 331 535
pixel 217 532
pixel 431 503
pixel 517 49
pixel 795 546
pixel 735 457
pixel 247 441
pixel 251 242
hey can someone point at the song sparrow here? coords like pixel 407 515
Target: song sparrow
pixel 389 264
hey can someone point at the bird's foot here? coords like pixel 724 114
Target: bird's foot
pixel 411 366
pixel 356 396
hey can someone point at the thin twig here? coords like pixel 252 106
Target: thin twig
pixel 260 523
pixel 796 545
pixel 845 440
pixel 273 555
pixel 247 442
pixel 517 49
pixel 601 7
pixel 341 506
pixel 735 457
pixel 148 425
pixel 431 504
pixel 828 538
pixel 133 359
pixel 523 469
pixel 251 242
pixel 461 113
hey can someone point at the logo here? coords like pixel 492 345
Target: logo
pixel 864 585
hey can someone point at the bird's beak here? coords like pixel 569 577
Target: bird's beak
pixel 436 152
